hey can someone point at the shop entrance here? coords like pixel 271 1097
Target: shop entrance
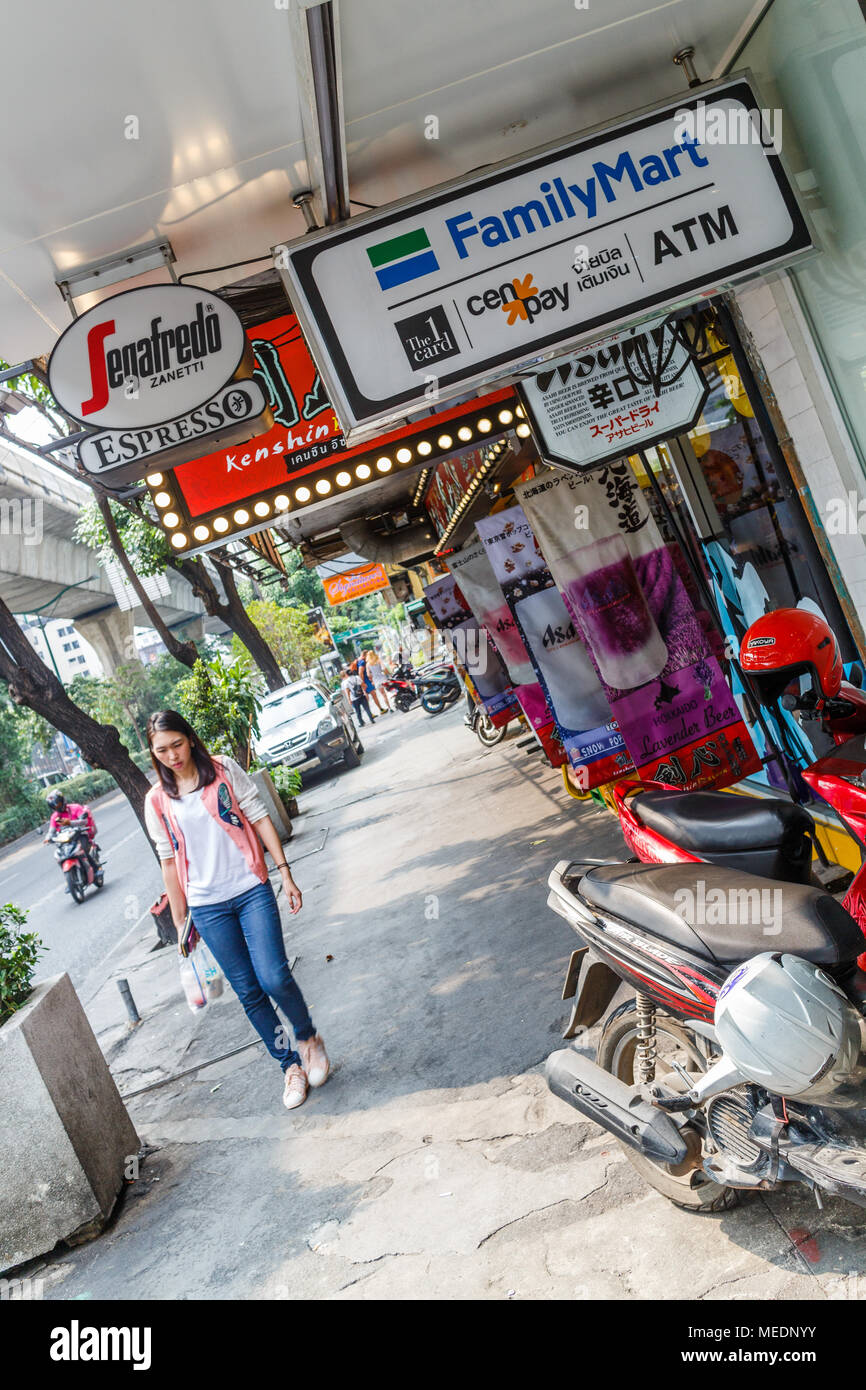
pixel 723 491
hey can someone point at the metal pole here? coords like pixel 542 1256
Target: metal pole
pixel 126 996
pixel 48 645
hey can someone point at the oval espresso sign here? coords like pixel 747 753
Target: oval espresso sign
pixel 146 356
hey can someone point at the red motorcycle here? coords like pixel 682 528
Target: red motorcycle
pixel 76 855
pixel 737 1060
pixel 763 836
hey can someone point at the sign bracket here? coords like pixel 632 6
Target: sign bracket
pixel 122 265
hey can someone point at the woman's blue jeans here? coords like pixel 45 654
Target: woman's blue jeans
pixel 245 935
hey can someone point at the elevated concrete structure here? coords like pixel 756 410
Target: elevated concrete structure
pixel 43 570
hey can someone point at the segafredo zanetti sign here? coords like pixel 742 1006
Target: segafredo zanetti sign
pixel 490 274
pixel 146 356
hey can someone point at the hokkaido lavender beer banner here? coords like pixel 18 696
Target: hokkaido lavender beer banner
pixel 621 585
pixel 470 645
pixel 588 737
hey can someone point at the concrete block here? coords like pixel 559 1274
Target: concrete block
pixel 273 805
pixel 65 1135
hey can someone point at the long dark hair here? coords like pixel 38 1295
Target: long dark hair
pixel 170 722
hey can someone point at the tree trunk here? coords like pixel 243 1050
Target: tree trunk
pixel 32 684
pixel 232 613
pixel 182 651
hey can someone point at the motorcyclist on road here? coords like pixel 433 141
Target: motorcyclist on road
pixel 62 812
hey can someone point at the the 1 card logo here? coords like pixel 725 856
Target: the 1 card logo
pixel 427 337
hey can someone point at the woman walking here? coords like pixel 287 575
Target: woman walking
pixel 210 826
pixel 377 677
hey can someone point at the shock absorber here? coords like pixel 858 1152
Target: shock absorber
pixel 645 1052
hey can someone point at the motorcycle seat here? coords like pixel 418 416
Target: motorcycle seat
pixel 714 822
pixel 674 901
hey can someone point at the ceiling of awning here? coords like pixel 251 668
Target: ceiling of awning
pixel 208 90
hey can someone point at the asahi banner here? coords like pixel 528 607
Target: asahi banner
pixel 491 273
pixel 147 356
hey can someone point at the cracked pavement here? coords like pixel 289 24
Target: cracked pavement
pixel 434 1164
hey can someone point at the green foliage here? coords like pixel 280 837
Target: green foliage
pixel 146 547
pixel 83 787
pixel 287 780
pixel 19 952
pixel 220 703
pixel 287 633
pixel 127 697
pixel 19 820
pixel 19 801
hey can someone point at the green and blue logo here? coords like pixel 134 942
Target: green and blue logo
pixel 402 258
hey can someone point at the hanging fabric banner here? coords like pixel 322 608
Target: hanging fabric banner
pixel 621 585
pixel 470 645
pixel 570 684
pixel 484 597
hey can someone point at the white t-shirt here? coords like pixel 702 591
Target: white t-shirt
pixel 217 868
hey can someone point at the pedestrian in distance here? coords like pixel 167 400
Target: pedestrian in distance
pixel 210 828
pixel 354 693
pixel 366 682
pixel 376 677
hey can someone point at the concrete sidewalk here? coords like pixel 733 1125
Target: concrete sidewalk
pixel 434 1163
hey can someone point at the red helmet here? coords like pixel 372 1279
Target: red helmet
pixel 788 643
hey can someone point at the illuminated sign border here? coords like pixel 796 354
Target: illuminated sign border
pixel 425 443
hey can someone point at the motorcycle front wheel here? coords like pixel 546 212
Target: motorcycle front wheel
pixel 487 732
pixel 433 704
pixel 76 887
pixel 692 1190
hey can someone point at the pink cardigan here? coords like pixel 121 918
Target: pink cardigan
pixel 220 799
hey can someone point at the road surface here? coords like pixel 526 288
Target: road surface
pixel 79 937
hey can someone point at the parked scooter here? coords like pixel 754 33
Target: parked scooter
pixel 478 720
pixel 740 1060
pixel 401 687
pixel 71 841
pixel 439 688
pixel 435 685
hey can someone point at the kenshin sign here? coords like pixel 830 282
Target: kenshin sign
pixel 147 356
pixel 489 274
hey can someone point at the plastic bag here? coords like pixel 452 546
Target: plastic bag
pixel 209 970
pixel 200 976
pixel 192 979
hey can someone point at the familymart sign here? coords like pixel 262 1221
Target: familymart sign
pixel 483 277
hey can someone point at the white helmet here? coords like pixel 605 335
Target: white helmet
pixel 787 1027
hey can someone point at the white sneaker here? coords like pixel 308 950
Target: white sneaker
pixel 315 1060
pixel 295 1089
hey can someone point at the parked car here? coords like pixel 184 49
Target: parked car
pixel 303 726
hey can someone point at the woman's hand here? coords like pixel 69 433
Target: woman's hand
pixel 291 890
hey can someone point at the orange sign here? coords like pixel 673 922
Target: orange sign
pixel 366 580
